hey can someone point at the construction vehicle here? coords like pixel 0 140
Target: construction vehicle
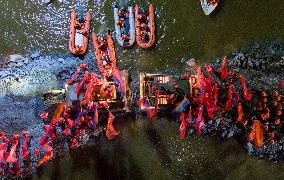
pixel 117 101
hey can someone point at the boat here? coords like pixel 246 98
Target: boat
pixel 150 21
pixel 108 66
pixel 78 41
pixel 128 30
pixel 208 6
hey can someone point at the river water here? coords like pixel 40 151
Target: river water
pixel 151 149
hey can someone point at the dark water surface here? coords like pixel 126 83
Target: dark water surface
pixel 183 31
pixel 151 149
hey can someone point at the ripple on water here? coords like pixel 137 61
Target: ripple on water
pixel 36 26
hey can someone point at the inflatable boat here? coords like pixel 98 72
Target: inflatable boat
pixel 208 6
pixel 124 25
pixel 79 34
pixel 145 27
pixel 105 54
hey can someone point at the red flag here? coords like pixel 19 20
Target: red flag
pixel 215 94
pixel 223 69
pixel 155 111
pixel 48 155
pixel 210 110
pixel 246 92
pixel 189 117
pixel 12 155
pixel 3 147
pixel 82 82
pixel 58 111
pixel 89 92
pixel 74 143
pixel 25 152
pixel 119 80
pixel 208 95
pixel 183 126
pixel 96 113
pixel 229 102
pixel 73 77
pixel 146 106
pixel 83 67
pixel 209 71
pixel 199 77
pixel 240 112
pixel 256 134
pixel 44 139
pixel 110 131
pixel 199 121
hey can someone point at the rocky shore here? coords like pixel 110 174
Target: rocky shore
pixel 263 67
pixel 23 78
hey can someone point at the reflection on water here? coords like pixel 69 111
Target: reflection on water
pixel 183 31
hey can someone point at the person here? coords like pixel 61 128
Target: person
pixel 212 2
pixel 80 28
pixel 142 18
pixel 104 58
pixel 78 25
pixel 101 39
pixel 120 13
pixel 125 37
pixel 120 23
pixel 84 32
pixel 144 26
pixel 77 48
pixel 102 44
pixel 126 13
pixel 144 36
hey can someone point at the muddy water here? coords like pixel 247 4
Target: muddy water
pixel 151 150
pixel 183 31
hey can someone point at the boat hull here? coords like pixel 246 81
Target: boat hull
pixel 151 25
pixel 130 25
pixel 208 8
pixel 83 49
pixel 111 52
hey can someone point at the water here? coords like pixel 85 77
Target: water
pixel 183 31
pixel 151 150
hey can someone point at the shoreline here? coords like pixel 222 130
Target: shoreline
pixel 20 106
pixel 26 77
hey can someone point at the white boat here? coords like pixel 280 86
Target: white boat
pixel 208 7
pixel 129 27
